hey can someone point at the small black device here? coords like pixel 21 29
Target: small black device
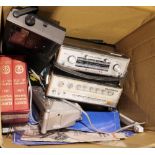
pixel 28 34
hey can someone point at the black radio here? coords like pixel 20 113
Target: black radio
pixel 28 34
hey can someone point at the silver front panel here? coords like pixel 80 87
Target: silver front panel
pixel 82 91
pixel 92 62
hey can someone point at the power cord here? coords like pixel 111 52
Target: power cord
pixel 93 127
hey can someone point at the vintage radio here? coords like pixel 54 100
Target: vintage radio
pixel 55 114
pixel 83 91
pixel 28 34
pixel 94 61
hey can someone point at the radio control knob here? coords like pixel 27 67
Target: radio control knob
pixel 30 20
pixel 86 56
pixel 110 93
pixel 106 60
pixel 54 91
pixel 70 85
pixel 103 91
pixel 60 84
pixel 91 89
pixel 84 88
pixel 78 87
pixel 98 91
pixel 117 68
pixel 72 59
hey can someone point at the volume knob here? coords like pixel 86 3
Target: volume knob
pixel 117 68
pixel 30 20
pixel 72 59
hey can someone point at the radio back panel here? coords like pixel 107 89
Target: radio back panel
pixel 83 60
pixel 83 91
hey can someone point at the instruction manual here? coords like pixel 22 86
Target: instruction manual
pixel 32 133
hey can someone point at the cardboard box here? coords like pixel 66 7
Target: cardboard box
pixel 0 79
pixel 132 30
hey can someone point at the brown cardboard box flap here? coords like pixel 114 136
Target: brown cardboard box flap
pixel 138 100
pixel 107 23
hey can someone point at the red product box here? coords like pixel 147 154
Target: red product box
pixel 6 89
pixel 20 85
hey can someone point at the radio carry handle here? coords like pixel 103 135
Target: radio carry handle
pixel 25 10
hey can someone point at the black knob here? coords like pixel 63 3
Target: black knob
pixel 30 20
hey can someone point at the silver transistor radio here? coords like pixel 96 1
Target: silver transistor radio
pixel 84 91
pixel 92 61
pixel 55 114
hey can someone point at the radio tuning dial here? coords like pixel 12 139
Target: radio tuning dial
pixel 72 59
pixel 117 68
